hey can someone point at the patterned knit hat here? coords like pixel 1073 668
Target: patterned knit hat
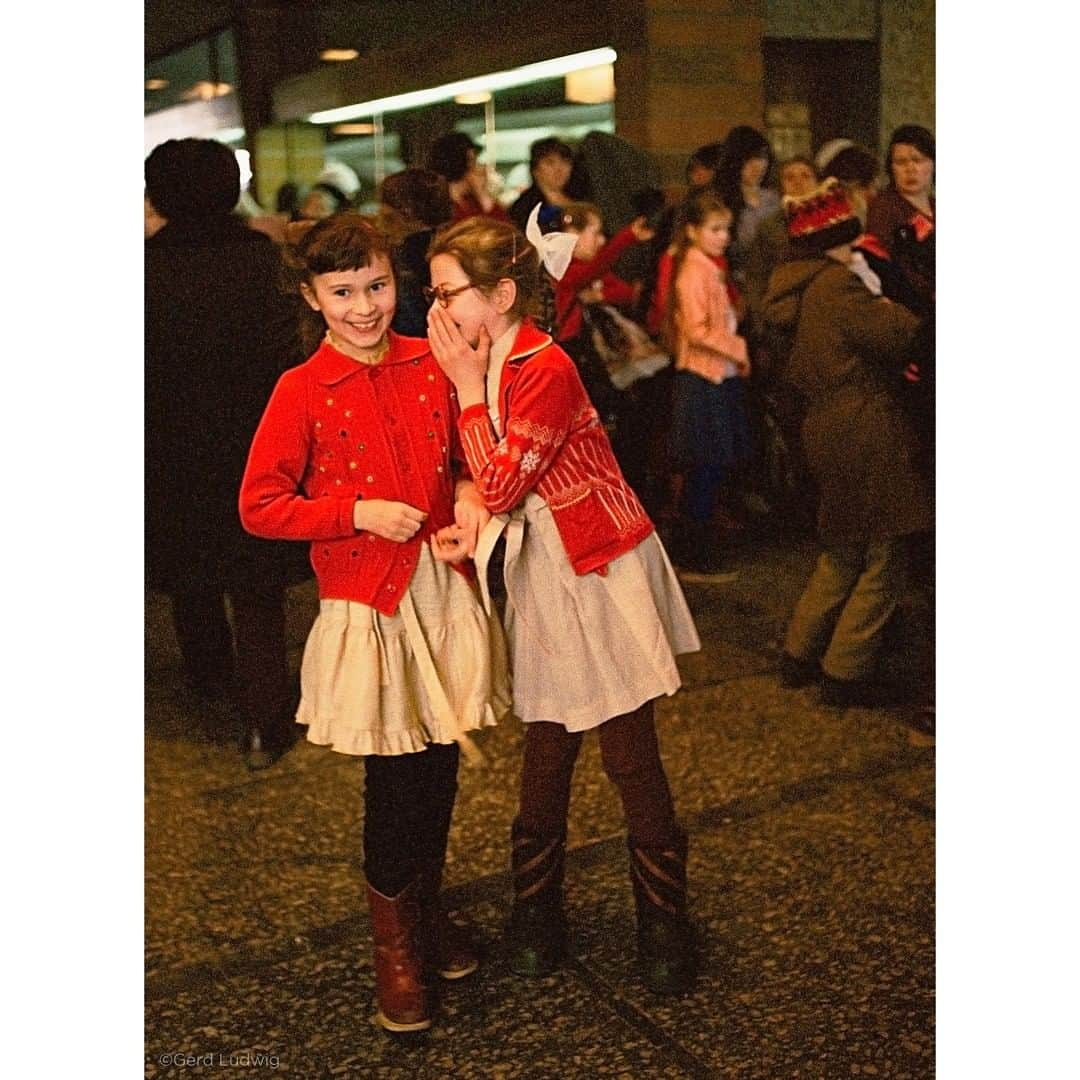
pixel 821 220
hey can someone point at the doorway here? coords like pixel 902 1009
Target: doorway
pixel 817 90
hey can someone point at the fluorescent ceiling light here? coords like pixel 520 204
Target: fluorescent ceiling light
pixel 338 54
pixel 498 80
pixel 353 129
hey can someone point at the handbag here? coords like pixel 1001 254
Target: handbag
pixel 625 349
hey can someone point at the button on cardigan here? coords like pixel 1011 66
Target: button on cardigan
pixel 336 430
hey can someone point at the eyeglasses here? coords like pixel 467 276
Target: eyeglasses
pixel 444 296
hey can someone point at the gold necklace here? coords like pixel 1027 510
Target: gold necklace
pixel 371 359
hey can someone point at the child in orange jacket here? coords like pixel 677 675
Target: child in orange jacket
pixel 710 430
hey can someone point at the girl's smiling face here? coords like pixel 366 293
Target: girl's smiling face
pixel 470 308
pixel 712 235
pixel 358 305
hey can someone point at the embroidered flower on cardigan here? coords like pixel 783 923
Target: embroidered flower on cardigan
pixel 529 460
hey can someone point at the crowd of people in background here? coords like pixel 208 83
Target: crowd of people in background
pixel 712 440
pixel 613 374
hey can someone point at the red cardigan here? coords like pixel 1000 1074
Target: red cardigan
pixel 582 273
pixel 336 430
pixel 555 444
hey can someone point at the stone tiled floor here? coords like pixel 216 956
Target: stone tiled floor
pixel 811 870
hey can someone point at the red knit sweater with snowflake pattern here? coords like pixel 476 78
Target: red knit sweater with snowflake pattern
pixel 553 443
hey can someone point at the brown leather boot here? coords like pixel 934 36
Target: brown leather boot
pixel 404 1003
pixel 667 954
pixel 535 934
pixel 448 944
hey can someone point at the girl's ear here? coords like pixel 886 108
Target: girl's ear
pixel 309 295
pixel 504 294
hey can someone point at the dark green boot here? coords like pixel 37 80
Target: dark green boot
pixel 667 953
pixel 535 935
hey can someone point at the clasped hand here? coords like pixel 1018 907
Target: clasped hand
pixel 391 520
pixel 457 542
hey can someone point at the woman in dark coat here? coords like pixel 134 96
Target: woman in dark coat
pixel 858 442
pixel 901 218
pixel 551 165
pixel 219 332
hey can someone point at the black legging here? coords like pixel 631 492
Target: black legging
pixel 408 801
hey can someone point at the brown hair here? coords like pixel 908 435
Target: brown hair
pixel 419 195
pixel 693 211
pixel 576 215
pixel 490 250
pixel 344 241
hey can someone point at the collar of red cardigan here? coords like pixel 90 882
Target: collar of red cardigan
pixel 331 366
pixel 530 339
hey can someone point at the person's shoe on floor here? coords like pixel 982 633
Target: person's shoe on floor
pixel 264 747
pixel 857 693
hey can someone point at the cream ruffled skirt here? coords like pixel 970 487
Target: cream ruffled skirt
pixel 378 684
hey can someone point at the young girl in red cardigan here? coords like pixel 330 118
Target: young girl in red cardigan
pixel 594 613
pixel 357 452
pixel 589 277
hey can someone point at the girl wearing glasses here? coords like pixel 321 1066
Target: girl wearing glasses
pixel 594 614
pixel 357 452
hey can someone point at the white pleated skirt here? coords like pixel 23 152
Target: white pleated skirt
pixel 586 648
pixel 378 684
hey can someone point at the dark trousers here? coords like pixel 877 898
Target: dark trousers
pixel 249 656
pixel 710 438
pixel 408 802
pixel 631 758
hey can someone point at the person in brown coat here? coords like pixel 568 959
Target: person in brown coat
pixel 858 443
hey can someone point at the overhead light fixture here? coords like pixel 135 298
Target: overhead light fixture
pixel 498 80
pixel 206 91
pixel 156 84
pixel 338 54
pixel 353 129
pixel 481 97
pixel 591 86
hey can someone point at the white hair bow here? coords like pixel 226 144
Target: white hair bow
pixel 556 248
